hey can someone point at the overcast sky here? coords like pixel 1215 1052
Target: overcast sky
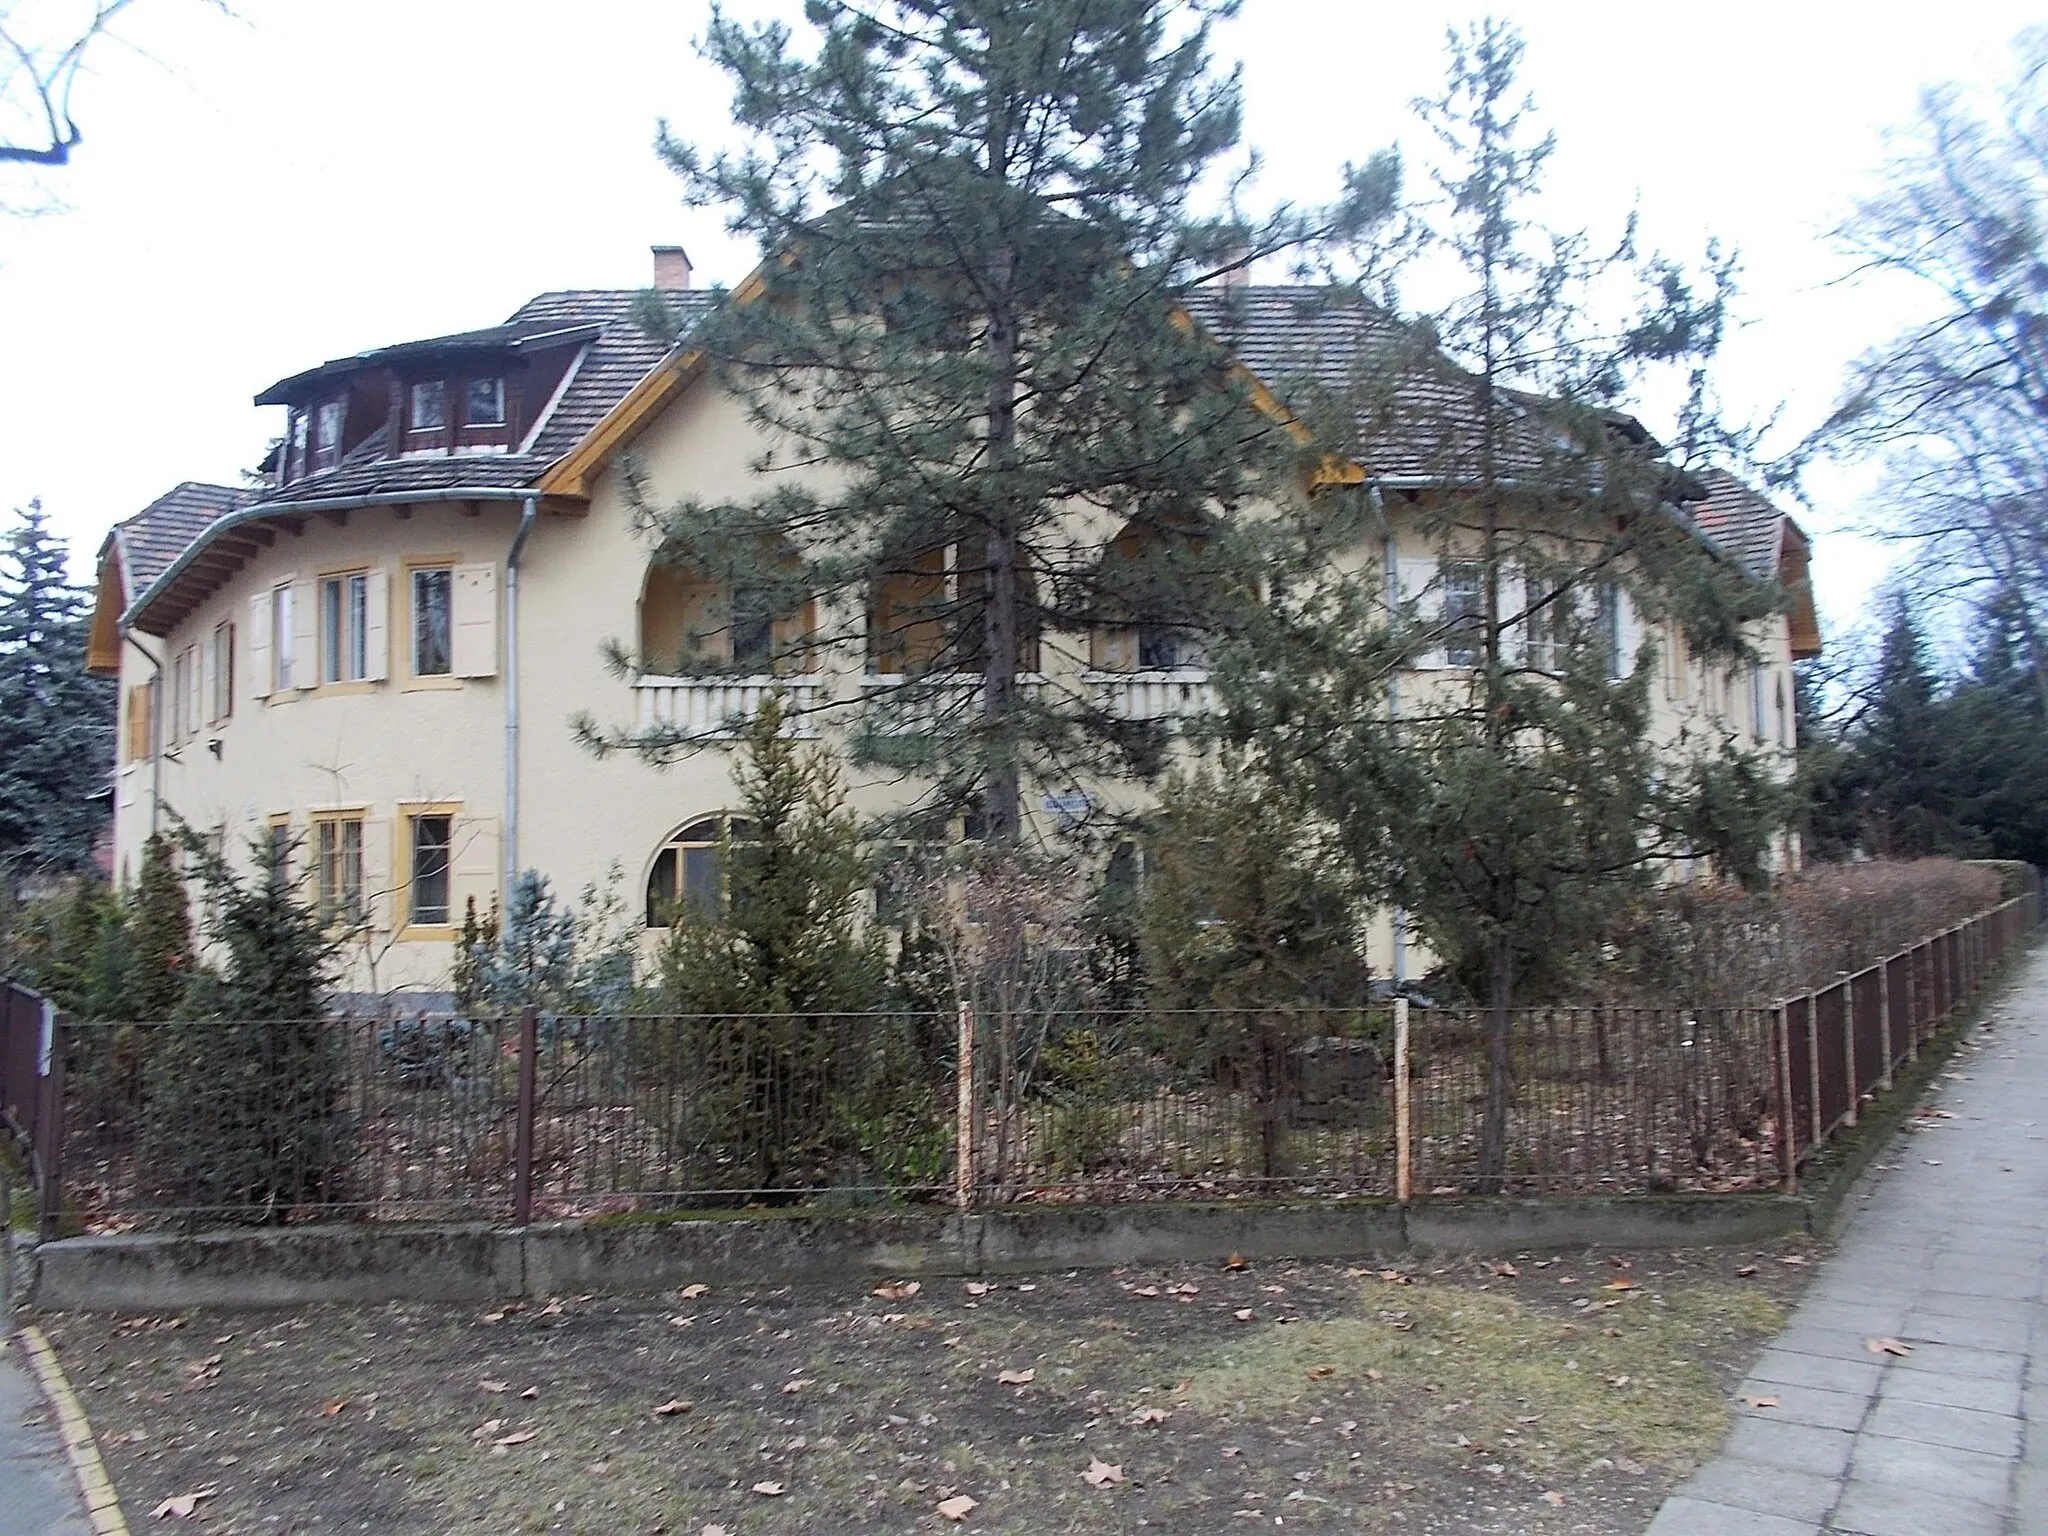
pixel 314 177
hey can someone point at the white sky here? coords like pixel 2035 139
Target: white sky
pixel 315 177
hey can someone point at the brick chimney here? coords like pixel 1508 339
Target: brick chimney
pixel 671 267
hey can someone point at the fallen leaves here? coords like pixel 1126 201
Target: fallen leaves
pixel 898 1290
pixel 1321 1372
pixel 692 1292
pixel 1619 1283
pixel 1235 1262
pixel 768 1489
pixel 1102 1474
pixel 1506 1271
pixel 334 1408
pixel 672 1407
pixel 958 1508
pixel 978 1287
pixel 1021 1378
pixel 1887 1347
pixel 795 1386
pixel 1145 1416
pixel 179 1506
pixel 1243 1314
pixel 494 1386
pixel 1554 1498
pixel 1745 1271
pixel 517 1437
pixel 1761 1401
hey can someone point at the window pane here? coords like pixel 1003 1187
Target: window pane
pixel 330 631
pixel 281 635
pixel 661 889
pixel 486 404
pixel 431 840
pixel 432 624
pixel 753 630
pixel 327 436
pixel 429 407
pixel 1464 613
pixel 700 881
pixel 358 622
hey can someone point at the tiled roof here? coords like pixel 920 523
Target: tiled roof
pixel 150 540
pixel 1741 522
pixel 1414 412
pixel 619 358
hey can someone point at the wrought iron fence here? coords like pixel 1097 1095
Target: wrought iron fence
pixel 532 1116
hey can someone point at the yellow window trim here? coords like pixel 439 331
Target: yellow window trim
pixel 408 680
pixel 401 870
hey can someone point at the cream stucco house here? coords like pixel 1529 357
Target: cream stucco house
pixel 378 645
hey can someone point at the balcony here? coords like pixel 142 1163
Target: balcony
pixel 714 708
pixel 1168 694
pixel 904 705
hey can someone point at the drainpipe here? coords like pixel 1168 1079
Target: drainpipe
pixel 529 508
pixel 1391 560
pixel 156 756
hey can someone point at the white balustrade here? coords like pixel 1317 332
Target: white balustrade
pixel 900 705
pixel 713 708
pixel 1168 694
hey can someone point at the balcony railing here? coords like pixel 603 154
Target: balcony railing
pixel 909 705
pixel 1168 694
pixel 714 708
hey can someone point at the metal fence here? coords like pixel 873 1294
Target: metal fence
pixel 534 1116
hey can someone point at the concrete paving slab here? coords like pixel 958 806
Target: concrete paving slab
pixel 1946 1248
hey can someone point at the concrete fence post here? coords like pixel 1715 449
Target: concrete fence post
pixel 1884 1022
pixel 963 1110
pixel 522 1125
pixel 1813 1064
pixel 1404 1108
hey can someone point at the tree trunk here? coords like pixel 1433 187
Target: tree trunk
pixel 1500 1077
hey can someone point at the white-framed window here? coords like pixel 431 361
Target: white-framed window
pixel 327 433
pixel 338 869
pixel 281 637
pixel 429 406
pixel 220 672
pixel 1610 629
pixel 484 403
pixel 344 627
pixel 433 621
pixel 1548 625
pixel 295 446
pixel 688 876
pixel 1464 611
pixel 430 839
pixel 1756 703
pixel 1784 717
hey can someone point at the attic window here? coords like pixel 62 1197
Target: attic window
pixel 327 434
pixel 429 406
pixel 485 406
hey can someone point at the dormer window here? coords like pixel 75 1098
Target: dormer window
pixel 297 464
pixel 429 406
pixel 327 434
pixel 485 406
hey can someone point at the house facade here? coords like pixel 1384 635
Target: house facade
pixel 381 648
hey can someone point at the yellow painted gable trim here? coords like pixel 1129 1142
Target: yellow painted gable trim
pixel 103 640
pixel 576 472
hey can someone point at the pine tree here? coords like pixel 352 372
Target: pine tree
pixel 159 937
pixel 1508 798
pixel 976 221
pixel 245 1118
pixel 56 720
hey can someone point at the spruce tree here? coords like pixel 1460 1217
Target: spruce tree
pixel 56 720
pixel 159 937
pixel 1481 743
pixel 245 1119
pixel 791 936
pixel 1906 754
pixel 976 220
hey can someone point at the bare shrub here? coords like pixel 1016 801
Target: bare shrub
pixel 1716 944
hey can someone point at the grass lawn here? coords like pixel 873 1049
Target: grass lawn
pixel 1538 1394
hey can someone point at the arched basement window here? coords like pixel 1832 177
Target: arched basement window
pixel 688 874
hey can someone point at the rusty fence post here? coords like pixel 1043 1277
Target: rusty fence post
pixel 1855 1087
pixel 963 1111
pixel 1781 1082
pixel 522 1124
pixel 50 1122
pixel 1404 1108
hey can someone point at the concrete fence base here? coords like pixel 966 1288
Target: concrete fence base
pixel 298 1265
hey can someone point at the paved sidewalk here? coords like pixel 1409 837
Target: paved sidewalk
pixel 38 1494
pixel 1947 1254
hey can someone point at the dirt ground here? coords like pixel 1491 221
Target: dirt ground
pixel 1533 1394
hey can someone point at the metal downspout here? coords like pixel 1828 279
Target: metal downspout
pixel 529 509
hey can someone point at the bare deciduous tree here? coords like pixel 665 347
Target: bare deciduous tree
pixel 43 49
